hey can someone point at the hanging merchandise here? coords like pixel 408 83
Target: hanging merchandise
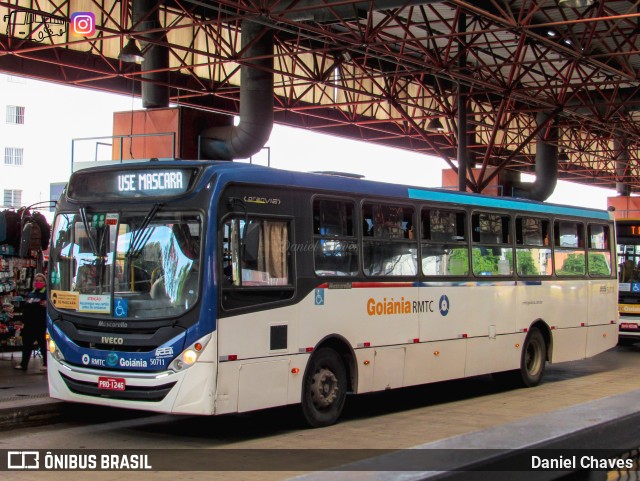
pixel 30 242
pixel 45 229
pixel 10 230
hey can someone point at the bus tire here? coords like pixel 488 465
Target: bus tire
pixel 532 363
pixel 324 388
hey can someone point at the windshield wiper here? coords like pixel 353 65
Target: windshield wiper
pixel 87 228
pixel 140 237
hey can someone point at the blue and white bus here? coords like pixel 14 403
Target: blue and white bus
pixel 220 287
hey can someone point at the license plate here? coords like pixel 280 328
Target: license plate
pixel 629 325
pixel 111 383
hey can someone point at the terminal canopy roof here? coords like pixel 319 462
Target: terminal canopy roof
pixel 385 71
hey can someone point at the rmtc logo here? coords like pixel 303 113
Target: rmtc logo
pixel 111 340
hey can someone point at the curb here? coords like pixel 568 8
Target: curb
pixel 36 413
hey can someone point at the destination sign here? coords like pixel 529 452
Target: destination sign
pixel 85 185
pixel 151 182
pixel 628 229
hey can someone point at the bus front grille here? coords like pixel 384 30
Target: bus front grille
pixel 131 393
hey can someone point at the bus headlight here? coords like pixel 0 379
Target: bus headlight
pixel 190 355
pixel 55 352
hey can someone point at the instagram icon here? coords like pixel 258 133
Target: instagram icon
pixel 83 24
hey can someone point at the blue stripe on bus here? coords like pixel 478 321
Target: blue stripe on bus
pixel 467 283
pixel 504 203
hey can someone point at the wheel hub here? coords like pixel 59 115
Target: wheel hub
pixel 533 359
pixel 324 388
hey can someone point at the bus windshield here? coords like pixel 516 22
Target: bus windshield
pixel 127 264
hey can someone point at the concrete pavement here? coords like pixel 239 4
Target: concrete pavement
pixel 24 395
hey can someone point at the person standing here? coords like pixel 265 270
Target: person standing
pixel 34 317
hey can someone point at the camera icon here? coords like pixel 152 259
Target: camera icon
pixel 83 24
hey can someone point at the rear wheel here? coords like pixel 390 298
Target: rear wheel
pixel 532 363
pixel 324 388
pixel 534 358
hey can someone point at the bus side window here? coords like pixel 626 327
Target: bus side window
pixel 228 257
pixel 569 254
pixel 533 256
pixel 389 251
pixel 335 244
pixel 256 254
pixel 444 248
pixel 599 258
pixel 492 254
pixel 255 262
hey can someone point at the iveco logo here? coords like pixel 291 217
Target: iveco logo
pixel 112 340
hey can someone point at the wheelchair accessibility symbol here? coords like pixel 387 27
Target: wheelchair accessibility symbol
pixel 319 297
pixel 121 308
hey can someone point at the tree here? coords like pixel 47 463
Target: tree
pixel 526 264
pixel 598 264
pixel 573 266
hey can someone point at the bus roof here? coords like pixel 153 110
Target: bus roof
pixel 241 172
pixel 235 172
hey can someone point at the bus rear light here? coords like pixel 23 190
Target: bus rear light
pixel 364 344
pixel 463 336
pixel 525 329
pixel 416 340
pixel 582 324
pixel 232 357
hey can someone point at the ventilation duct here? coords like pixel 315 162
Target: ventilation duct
pixel 546 167
pixel 622 163
pixel 256 100
pixel 155 84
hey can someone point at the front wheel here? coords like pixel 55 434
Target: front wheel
pixel 324 388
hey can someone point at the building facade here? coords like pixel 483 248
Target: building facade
pixel 38 122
